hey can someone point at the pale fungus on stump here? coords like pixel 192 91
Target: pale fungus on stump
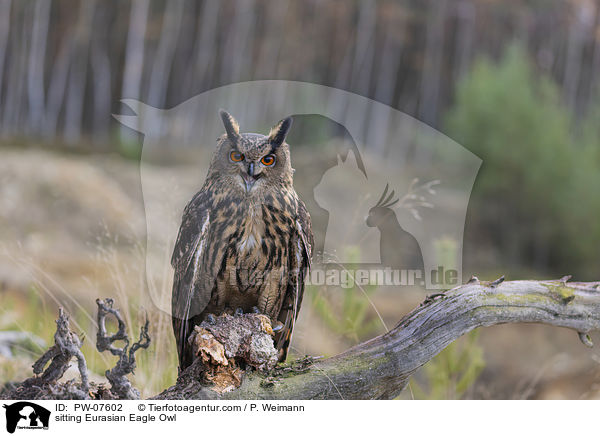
pixel 230 345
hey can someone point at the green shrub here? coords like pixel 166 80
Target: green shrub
pixel 535 198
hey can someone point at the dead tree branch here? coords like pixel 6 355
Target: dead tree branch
pixel 66 346
pixel 120 386
pixel 380 368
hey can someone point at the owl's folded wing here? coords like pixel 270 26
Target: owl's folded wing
pixel 305 231
pixel 187 255
pixel 300 263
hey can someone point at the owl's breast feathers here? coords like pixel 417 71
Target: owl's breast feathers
pixel 238 251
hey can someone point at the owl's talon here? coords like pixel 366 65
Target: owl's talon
pixel 277 326
pixel 238 312
pixel 255 309
pixel 210 318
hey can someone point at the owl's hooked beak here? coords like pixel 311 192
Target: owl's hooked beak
pixel 248 181
pixel 250 177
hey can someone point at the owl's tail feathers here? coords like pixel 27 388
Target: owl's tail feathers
pixel 289 313
pixel 283 344
pixel 283 339
pixel 182 329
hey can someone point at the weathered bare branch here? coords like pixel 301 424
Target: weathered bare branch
pixel 67 345
pixel 380 367
pixel 120 386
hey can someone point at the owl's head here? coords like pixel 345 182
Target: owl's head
pixel 252 161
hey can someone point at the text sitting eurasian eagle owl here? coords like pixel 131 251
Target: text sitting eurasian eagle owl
pixel 245 239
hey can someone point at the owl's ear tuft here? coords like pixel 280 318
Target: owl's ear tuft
pixel 279 131
pixel 231 125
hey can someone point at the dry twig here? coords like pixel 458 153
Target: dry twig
pixel 120 386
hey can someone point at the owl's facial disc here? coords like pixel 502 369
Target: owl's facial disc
pixel 253 156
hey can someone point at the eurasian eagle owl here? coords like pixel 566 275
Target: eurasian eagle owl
pixel 245 239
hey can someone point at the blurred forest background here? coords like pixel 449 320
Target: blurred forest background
pixel 515 82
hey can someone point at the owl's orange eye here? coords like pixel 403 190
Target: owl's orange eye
pixel 236 156
pixel 268 160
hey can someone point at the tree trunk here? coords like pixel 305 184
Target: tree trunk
pixel 35 72
pixel 100 62
pixel 161 70
pixel 200 72
pixel 4 27
pixel 78 72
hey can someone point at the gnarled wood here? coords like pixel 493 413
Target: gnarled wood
pixel 380 367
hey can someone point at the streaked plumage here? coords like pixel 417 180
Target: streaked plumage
pixel 245 239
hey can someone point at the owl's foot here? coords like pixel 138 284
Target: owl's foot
pixel 210 318
pixel 277 326
pixel 238 312
pixel 254 309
